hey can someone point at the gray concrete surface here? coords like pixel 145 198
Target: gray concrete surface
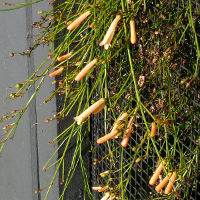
pixel 22 159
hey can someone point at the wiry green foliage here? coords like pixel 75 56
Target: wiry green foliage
pixel 153 80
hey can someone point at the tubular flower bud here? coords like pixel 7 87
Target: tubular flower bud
pixel 94 107
pixel 118 125
pixel 169 187
pixel 133 37
pixel 78 21
pixel 110 33
pixel 85 70
pixel 64 57
pixel 156 174
pixel 56 72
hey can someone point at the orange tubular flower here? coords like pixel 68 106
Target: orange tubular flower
pixel 153 129
pixel 162 184
pixel 127 133
pixel 78 21
pixel 85 70
pixel 56 72
pixel 133 32
pixel 117 126
pixel 156 174
pixel 64 57
pixel 99 109
pixel 103 189
pixel 169 187
pixel 110 33
pixel 99 188
pixel 106 196
pixel 96 188
pixel 83 116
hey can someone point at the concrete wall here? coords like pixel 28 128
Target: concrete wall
pixel 22 159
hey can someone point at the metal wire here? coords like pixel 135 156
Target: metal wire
pixel 138 187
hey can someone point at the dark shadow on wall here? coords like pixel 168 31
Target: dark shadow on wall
pixel 75 190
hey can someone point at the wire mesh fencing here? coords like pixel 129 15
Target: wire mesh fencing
pixel 128 170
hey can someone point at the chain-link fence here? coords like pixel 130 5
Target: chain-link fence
pixel 178 142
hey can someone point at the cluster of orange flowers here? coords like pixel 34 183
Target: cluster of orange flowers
pixel 170 177
pixel 100 104
pixel 106 42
